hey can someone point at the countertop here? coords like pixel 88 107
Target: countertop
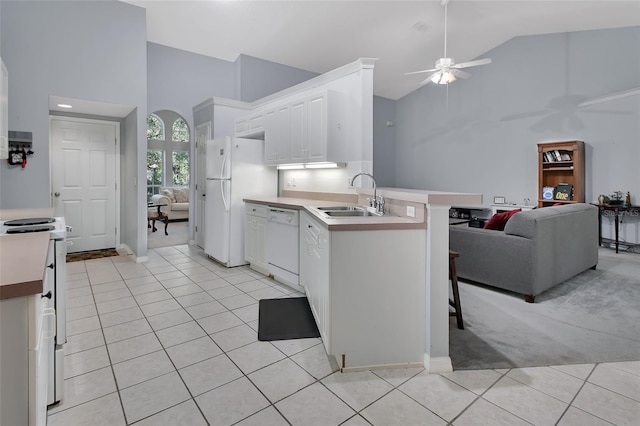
pixel 342 224
pixel 22 264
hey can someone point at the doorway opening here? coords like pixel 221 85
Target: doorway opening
pixel 168 171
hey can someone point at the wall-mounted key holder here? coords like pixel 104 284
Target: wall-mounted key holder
pixel 20 144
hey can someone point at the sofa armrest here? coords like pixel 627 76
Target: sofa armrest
pixel 161 199
pixel 493 257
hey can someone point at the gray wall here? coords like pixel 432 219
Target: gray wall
pixel 95 52
pixel 178 80
pixel 259 78
pixel 384 141
pixel 486 140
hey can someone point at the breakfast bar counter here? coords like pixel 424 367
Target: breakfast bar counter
pixel 423 296
pixel 22 264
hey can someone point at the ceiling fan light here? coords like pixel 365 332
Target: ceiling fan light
pixel 444 77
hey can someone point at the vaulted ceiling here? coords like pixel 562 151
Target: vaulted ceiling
pixel 404 35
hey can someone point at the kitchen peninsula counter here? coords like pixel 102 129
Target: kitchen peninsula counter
pixel 364 223
pixel 23 256
pixel 22 264
pixel 415 253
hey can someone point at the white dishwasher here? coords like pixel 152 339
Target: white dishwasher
pixel 282 246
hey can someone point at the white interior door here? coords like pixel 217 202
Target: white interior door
pixel 84 180
pixel 203 134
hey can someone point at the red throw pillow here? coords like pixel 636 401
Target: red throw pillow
pixel 499 220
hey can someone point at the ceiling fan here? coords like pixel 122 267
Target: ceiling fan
pixel 446 70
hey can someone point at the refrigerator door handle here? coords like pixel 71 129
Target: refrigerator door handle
pixel 224 199
pixel 224 166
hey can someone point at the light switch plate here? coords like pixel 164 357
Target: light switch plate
pixel 411 211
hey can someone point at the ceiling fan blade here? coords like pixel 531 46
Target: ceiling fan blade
pixel 460 73
pixel 428 79
pixel 420 72
pixel 472 63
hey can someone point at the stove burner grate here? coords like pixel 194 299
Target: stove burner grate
pixel 27 229
pixel 30 221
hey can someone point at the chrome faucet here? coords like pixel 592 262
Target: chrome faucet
pixel 376 203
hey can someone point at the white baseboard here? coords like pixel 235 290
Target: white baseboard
pixel 441 364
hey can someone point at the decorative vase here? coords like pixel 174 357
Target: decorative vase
pixel 601 199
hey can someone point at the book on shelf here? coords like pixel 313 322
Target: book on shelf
pixel 547 192
pixel 563 192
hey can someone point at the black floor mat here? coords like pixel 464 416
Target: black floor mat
pixel 287 318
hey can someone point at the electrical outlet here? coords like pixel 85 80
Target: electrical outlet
pixel 411 211
pixel 349 182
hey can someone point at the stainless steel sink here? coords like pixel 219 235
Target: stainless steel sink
pixel 341 208
pixel 350 213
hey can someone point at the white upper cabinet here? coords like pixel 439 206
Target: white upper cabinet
pixel 277 135
pixel 306 130
pixel 251 126
pixel 298 132
pixel 316 137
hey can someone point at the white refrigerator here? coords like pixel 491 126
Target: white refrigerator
pixel 235 170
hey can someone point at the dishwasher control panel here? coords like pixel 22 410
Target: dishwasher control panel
pixel 283 216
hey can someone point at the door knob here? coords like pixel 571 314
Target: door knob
pixel 57 194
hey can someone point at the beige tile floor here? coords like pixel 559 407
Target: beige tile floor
pixel 173 342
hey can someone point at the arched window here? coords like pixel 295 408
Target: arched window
pixel 180 132
pixel 167 155
pixel 155 128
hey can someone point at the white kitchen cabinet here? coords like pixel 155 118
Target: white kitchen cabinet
pixel 277 135
pixel 26 333
pixel 314 273
pixel 298 131
pixel 250 126
pixel 366 295
pixel 255 237
pixel 316 146
pixel 306 130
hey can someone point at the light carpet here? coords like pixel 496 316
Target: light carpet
pixel 178 235
pixel 592 317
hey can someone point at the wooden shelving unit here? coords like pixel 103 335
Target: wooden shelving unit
pixel 561 162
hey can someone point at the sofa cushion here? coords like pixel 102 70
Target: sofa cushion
pixel 168 192
pixel 182 195
pixel 499 220
pixel 180 206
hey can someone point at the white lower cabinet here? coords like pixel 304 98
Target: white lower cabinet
pixel 366 291
pixel 255 240
pixel 26 334
pixel 314 273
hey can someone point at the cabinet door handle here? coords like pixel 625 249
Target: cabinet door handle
pixel 48 295
pixel 51 266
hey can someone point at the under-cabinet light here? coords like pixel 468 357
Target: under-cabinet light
pixel 64 106
pixel 300 166
pixel 290 166
pixel 324 165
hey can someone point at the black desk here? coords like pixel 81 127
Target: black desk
pixel 618 212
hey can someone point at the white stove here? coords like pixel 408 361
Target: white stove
pixel 53 291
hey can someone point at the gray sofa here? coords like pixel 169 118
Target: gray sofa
pixel 538 249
